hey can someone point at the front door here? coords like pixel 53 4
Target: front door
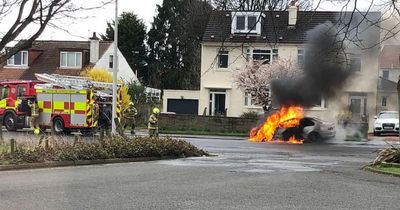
pixel 217 102
pixel 358 105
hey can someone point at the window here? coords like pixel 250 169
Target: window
pixel 246 22
pixel 354 63
pixel 300 57
pixel 248 99
pixel 258 54
pixel 240 22
pixel 319 102
pixel 384 100
pixel 385 75
pixel 21 90
pixel 4 92
pixel 223 59
pixel 71 60
pixel 19 59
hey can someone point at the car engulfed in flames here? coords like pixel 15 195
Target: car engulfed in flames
pixel 286 117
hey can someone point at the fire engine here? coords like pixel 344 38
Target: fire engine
pixel 66 103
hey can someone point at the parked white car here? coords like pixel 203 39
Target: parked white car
pixel 386 122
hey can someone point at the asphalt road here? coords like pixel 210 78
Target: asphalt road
pixel 244 175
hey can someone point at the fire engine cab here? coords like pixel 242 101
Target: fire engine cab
pixel 65 103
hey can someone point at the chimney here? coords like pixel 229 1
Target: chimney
pixel 292 13
pixel 94 48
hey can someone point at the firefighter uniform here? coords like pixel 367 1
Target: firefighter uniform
pixel 105 121
pixel 153 123
pixel 128 119
pixel 34 123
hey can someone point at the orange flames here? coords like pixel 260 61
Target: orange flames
pixel 286 117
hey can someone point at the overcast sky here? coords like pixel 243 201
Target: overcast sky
pixel 82 28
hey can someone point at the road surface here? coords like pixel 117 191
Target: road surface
pixel 244 175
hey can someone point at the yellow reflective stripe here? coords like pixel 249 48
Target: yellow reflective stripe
pixel 80 106
pixel 59 105
pixel 3 103
pixel 40 104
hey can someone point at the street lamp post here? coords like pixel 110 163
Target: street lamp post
pixel 115 71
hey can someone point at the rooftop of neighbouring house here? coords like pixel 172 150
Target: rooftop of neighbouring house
pixel 275 26
pixel 390 57
pixel 44 57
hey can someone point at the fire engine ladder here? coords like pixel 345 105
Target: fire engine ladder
pixel 72 82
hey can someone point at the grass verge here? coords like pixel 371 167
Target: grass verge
pixel 385 169
pixel 204 133
pixel 111 148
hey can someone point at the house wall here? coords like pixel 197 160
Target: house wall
pixel 178 94
pixel 360 83
pixel 125 72
pixel 391 101
pixel 393 73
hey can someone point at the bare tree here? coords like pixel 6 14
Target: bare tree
pixel 258 5
pixel 35 14
pixel 256 77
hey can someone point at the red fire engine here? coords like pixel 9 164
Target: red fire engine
pixel 65 103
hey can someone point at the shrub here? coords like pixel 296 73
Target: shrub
pixel 390 155
pixel 115 147
pixel 250 114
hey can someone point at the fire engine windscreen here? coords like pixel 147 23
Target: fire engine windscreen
pixel 325 70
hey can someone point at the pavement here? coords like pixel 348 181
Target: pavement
pixel 243 175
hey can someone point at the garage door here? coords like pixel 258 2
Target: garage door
pixel 183 106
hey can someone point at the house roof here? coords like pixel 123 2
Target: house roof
pixel 390 57
pixel 44 57
pixel 274 27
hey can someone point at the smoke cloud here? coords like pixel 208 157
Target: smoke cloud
pixel 325 70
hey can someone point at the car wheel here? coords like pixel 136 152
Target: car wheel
pixel 10 121
pixel 314 137
pixel 58 126
pixel 377 134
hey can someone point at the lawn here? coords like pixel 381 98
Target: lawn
pixel 395 170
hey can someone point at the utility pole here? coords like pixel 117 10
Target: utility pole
pixel 115 71
pixel 398 103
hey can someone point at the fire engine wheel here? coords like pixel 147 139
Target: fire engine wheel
pixel 9 121
pixel 58 126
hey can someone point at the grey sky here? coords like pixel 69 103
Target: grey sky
pixel 81 29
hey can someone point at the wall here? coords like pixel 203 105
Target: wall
pixel 206 123
pixel 213 77
pixel 179 94
pixel 125 72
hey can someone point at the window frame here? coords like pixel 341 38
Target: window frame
pixel 351 59
pixel 273 54
pixel 250 31
pixel 23 59
pixel 383 74
pixel 301 52
pixel 223 52
pixel 75 60
pixel 384 101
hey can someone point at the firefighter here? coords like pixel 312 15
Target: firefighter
pixel 34 122
pixel 128 119
pixel 153 123
pixel 105 121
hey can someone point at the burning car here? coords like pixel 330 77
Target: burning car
pixel 290 124
pixel 310 129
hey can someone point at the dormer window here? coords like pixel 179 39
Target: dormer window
pixel 246 23
pixel 71 60
pixel 19 59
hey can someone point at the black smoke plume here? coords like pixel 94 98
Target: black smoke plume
pixel 325 70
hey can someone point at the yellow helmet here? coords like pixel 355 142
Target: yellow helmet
pixel 36 131
pixel 156 110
